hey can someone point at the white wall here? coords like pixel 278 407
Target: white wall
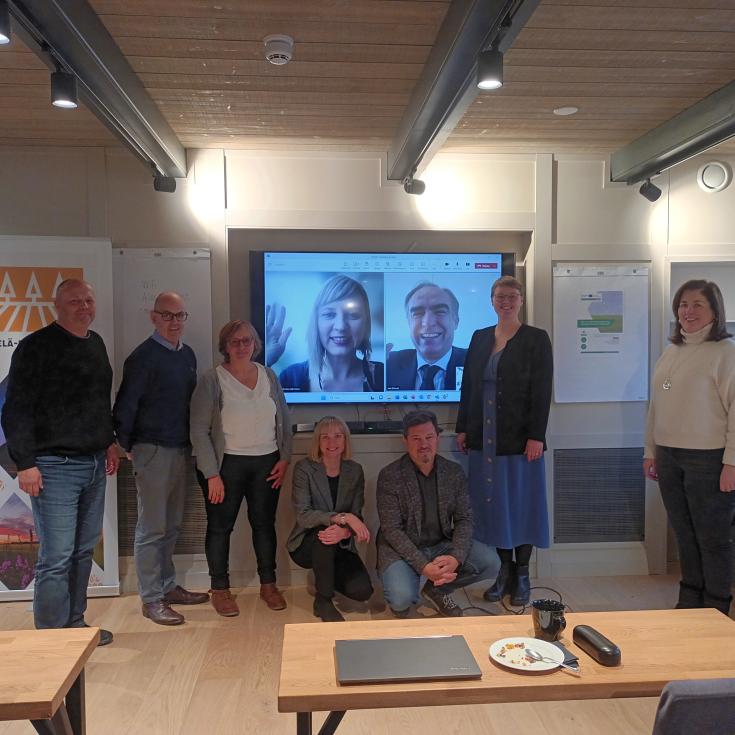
pixel 563 201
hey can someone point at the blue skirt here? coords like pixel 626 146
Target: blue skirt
pixel 508 493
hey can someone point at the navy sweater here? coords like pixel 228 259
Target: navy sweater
pixel 58 399
pixel 152 405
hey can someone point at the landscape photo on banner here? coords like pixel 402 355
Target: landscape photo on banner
pixel 26 305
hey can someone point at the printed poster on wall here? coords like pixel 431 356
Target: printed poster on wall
pixel 601 333
pixel 30 271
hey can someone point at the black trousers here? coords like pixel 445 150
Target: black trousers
pixel 335 568
pixel 243 477
pixel 701 517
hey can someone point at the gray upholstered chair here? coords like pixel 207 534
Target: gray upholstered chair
pixel 696 707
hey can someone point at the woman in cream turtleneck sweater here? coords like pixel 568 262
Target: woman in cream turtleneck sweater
pixel 690 443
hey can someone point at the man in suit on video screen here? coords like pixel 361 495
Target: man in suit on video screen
pixel 433 316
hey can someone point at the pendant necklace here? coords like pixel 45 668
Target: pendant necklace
pixel 666 385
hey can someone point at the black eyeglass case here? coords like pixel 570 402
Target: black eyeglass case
pixel 594 644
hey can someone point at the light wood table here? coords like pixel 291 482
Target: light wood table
pixel 657 646
pixel 42 677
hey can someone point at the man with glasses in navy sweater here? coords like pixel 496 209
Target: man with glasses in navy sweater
pixel 151 415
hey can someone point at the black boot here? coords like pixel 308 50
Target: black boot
pixel 324 608
pixel 503 583
pixel 521 592
pixel 689 597
pixel 718 603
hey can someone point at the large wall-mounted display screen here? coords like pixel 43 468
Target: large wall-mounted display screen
pixel 371 327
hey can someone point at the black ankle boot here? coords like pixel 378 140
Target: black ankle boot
pixel 324 608
pixel 718 603
pixel 689 597
pixel 521 592
pixel 503 583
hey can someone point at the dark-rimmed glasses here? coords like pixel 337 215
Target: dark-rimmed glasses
pixel 168 316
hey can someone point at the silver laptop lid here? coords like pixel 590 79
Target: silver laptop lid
pixel 383 660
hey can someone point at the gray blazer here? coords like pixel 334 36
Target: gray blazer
pixel 312 499
pixel 400 509
pixel 205 423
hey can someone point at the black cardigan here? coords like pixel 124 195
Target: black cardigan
pixel 523 395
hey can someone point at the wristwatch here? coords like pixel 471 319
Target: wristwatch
pixel 341 519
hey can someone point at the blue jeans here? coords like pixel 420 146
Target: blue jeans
pixel 68 515
pixel 401 580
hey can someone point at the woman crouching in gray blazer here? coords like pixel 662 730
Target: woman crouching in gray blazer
pixel 328 492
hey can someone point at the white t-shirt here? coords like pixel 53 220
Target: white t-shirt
pixel 248 416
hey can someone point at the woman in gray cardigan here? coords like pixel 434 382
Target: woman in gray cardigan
pixel 328 493
pixel 241 435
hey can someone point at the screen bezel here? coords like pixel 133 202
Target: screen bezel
pixel 257 298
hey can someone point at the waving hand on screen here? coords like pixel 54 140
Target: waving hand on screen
pixel 275 335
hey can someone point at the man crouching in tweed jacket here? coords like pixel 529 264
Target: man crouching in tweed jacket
pixel 426 525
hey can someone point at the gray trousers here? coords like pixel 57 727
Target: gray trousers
pixel 160 476
pixel 701 517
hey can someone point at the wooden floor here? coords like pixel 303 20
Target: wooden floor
pixel 216 676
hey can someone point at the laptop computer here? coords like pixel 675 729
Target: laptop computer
pixel 388 660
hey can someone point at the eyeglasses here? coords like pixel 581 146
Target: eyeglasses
pixel 510 298
pixel 244 342
pixel 168 316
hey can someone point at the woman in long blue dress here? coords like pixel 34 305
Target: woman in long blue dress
pixel 503 413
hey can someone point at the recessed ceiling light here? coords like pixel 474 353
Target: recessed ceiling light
pixel 566 110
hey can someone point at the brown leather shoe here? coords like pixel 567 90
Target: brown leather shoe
pixel 272 596
pixel 224 603
pixel 179 596
pixel 159 612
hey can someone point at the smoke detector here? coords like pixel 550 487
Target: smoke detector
pixel 278 49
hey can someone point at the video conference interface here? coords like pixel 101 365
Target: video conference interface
pixel 374 327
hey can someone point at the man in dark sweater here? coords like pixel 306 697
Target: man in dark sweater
pixel 58 426
pixel 152 422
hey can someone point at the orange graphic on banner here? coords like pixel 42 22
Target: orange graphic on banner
pixel 27 296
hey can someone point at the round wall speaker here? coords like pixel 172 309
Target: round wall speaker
pixel 714 176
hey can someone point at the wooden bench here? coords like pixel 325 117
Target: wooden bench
pixel 42 678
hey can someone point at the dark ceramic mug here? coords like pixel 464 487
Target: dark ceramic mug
pixel 548 619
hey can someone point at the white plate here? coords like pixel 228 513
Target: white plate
pixel 510 652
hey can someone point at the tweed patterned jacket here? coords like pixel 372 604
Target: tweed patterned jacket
pixel 400 509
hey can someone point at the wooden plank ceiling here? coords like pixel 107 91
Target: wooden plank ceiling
pixel 627 64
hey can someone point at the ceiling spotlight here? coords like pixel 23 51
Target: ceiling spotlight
pixel 413 186
pixel 649 190
pixel 4 22
pixel 566 110
pixel 63 90
pixel 490 69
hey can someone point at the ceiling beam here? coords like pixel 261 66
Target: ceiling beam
pixel 446 87
pixel 687 134
pixel 70 33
